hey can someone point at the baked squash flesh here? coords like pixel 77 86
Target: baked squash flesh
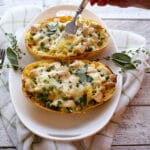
pixel 48 40
pixel 68 87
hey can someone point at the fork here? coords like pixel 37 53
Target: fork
pixel 2 57
pixel 71 27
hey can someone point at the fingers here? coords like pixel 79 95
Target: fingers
pixel 99 2
pixel 92 2
pixel 102 2
pixel 122 3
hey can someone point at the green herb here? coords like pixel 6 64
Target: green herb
pixel 42 44
pixel 59 104
pixel 102 74
pixel 129 66
pixel 82 74
pixel 70 47
pixel 12 57
pixel 46 81
pixel 89 49
pixel 13 52
pixel 48 104
pixel 99 43
pixel 44 89
pixel 64 98
pixel 85 78
pixel 77 85
pixel 50 68
pixel 83 101
pixel 52 28
pixel 82 70
pixel 69 109
pixel 42 96
pixel 51 87
pixel 106 77
pixel 13 42
pixel 31 37
pixel 123 60
pixel 34 80
pixel 92 102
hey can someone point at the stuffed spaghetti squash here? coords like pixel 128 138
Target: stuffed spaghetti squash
pixel 69 87
pixel 48 40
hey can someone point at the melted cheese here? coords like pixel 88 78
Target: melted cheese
pixel 68 86
pixel 50 38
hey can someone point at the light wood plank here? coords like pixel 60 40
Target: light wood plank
pixel 134 128
pixel 141 27
pixel 130 148
pixel 143 95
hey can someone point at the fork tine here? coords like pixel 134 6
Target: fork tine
pixel 2 57
pixel 1 53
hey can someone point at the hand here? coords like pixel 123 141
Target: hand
pixel 123 3
pixel 99 2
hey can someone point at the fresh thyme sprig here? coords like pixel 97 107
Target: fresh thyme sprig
pixel 13 51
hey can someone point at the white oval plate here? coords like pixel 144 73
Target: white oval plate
pixel 57 126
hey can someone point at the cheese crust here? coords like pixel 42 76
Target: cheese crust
pixel 69 87
pixel 48 40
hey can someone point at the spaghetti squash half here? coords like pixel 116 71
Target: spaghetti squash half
pixel 48 40
pixel 68 87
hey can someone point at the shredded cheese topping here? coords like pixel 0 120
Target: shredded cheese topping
pixel 48 38
pixel 69 87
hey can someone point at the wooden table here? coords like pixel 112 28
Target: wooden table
pixel 133 132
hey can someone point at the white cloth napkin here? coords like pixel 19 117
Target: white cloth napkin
pixel 15 20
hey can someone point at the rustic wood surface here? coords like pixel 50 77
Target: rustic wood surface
pixel 133 132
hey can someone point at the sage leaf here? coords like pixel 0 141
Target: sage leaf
pixel 125 66
pixel 121 58
pixel 129 66
pixel 12 57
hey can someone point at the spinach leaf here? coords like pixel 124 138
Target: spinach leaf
pixel 82 74
pixel 85 78
pixel 52 28
pixel 83 101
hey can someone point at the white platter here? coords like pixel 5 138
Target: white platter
pixel 56 126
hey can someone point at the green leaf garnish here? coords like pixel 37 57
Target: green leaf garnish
pixel 121 57
pixel 13 42
pixel 12 57
pixel 85 78
pixel 123 60
pixel 83 101
pixel 52 28
pixel 13 51
pixel 82 74
pixel 129 66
